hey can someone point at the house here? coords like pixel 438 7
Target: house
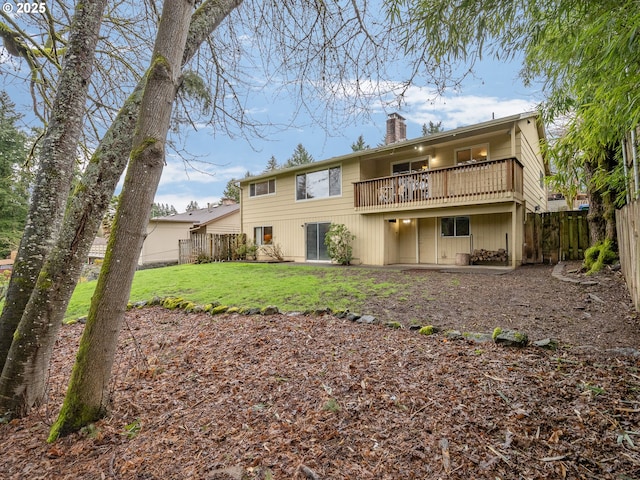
pixel 419 201
pixel 163 233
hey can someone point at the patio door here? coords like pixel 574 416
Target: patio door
pixel 316 249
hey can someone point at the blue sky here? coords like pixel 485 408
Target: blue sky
pixel 493 91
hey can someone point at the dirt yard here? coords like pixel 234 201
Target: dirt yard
pixel 317 397
pixel 529 299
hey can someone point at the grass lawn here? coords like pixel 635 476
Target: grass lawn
pixel 289 287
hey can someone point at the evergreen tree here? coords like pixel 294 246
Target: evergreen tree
pixel 359 144
pixel 14 177
pixel 232 190
pixel 272 164
pixel 193 205
pixel 431 128
pixel 300 157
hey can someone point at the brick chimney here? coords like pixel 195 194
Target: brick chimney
pixel 396 129
pixel 227 201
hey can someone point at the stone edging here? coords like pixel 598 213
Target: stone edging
pixel 558 272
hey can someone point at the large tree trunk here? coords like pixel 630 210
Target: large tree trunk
pixel 88 396
pixel 55 171
pixel 82 221
pixel 601 217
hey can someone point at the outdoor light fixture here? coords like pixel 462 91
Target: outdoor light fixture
pixel 406 220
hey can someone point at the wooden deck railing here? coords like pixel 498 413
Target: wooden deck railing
pixel 468 183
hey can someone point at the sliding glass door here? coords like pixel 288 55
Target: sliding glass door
pixel 316 249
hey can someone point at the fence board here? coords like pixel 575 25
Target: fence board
pixel 209 247
pixel 628 230
pixel 554 236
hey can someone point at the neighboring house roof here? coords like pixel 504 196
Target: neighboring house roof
pixel 440 137
pixel 202 216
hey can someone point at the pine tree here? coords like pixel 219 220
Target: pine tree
pixel 232 190
pixel 272 164
pixel 431 128
pixel 300 157
pixel 193 206
pixel 359 144
pixel 14 177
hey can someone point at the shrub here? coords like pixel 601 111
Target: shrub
pixel 598 256
pixel 273 250
pixel 247 250
pixel 338 241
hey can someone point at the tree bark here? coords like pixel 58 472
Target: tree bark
pixel 601 217
pixel 88 396
pixel 41 320
pixel 55 172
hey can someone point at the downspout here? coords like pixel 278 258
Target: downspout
pixel 241 210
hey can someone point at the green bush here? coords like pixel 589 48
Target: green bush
pixel 598 256
pixel 338 241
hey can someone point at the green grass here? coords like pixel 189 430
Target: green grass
pixel 289 287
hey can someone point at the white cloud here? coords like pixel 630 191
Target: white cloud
pixel 178 172
pixel 461 110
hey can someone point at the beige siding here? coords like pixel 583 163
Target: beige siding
pixel 288 217
pixel 228 224
pixel 381 240
pixel 528 148
pixel 161 244
pixel 490 231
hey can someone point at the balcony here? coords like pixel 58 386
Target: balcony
pixel 471 183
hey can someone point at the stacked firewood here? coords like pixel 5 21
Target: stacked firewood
pixel 482 256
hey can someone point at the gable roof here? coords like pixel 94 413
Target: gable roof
pixel 440 137
pixel 202 216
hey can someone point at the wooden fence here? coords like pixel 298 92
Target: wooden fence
pixel 551 237
pixel 628 230
pixel 209 247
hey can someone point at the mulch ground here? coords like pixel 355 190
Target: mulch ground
pixel 317 397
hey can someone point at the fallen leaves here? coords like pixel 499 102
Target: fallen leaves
pixel 359 402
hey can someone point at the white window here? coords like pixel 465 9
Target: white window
pixel 410 166
pixel 319 184
pixel 266 187
pixel 262 235
pixel 477 153
pixel 454 226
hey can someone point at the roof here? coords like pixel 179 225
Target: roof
pixel 439 137
pixel 201 216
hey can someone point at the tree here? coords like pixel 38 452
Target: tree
pixel 88 390
pixel 22 381
pixel 14 177
pixel 359 145
pixel 193 206
pixel 585 53
pixel 109 216
pixel 232 191
pixel 431 128
pixel 83 216
pixel 300 156
pixel 272 165
pixel 162 210
pixel 290 35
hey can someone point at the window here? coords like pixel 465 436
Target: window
pixel 266 187
pixel 316 250
pixel 455 226
pixel 410 167
pixel 320 184
pixel 262 235
pixel 479 153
